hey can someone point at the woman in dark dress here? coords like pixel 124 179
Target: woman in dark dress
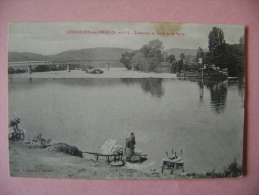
pixel 130 146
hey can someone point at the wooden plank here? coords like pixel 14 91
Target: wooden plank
pixel 172 160
pixel 101 154
pixel 90 152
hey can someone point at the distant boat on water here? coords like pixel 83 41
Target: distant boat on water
pixel 92 70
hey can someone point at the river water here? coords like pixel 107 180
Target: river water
pixel 203 118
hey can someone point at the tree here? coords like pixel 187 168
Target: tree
pixel 216 39
pixel 146 50
pixel 153 55
pixel 180 63
pixel 174 67
pixel 234 59
pixel 207 58
pixel 217 48
pixel 165 56
pixel 153 49
pixel 182 56
pixel 200 54
pixel 224 55
pixel 171 59
pixel 156 44
pixel 140 62
pixel 189 59
pixel 231 57
pixel 147 58
pixel 137 61
pixel 126 59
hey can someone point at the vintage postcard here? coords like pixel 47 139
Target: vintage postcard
pixel 104 100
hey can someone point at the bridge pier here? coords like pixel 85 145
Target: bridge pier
pixel 29 69
pixel 68 68
pixel 107 66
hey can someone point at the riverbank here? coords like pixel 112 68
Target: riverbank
pixel 53 162
pixel 42 163
pixel 111 73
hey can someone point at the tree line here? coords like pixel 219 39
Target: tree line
pixel 150 56
pixel 146 59
pixel 224 55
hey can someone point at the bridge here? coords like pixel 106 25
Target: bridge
pixel 65 64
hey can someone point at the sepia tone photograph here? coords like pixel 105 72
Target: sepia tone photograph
pixel 125 100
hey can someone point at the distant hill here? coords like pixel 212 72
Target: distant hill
pixel 177 52
pixel 89 56
pixel 24 56
pixel 101 53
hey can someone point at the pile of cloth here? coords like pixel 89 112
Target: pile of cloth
pixel 62 147
pixel 111 147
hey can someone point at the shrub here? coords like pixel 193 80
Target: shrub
pixel 233 170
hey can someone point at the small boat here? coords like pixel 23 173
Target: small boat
pixel 93 71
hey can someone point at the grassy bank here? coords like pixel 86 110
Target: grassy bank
pixel 26 162
pixel 232 170
pixel 42 163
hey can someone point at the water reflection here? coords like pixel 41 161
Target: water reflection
pixel 240 84
pixel 218 89
pixel 201 87
pixel 218 95
pixel 148 85
pixel 30 83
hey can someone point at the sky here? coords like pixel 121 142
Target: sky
pixel 49 38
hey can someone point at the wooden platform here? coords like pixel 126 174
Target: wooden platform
pixel 109 157
pixel 173 164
